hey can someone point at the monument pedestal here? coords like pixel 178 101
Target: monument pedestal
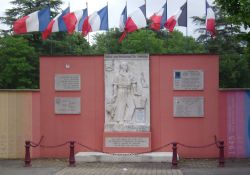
pixel 126 142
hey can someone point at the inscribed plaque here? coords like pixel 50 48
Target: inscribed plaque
pixel 67 105
pixel 188 79
pixel 127 142
pixel 188 106
pixel 67 82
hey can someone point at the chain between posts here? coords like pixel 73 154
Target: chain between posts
pixel 28 144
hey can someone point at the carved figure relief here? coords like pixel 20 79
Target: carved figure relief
pixel 126 101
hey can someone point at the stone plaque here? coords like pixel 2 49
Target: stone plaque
pixel 188 79
pixel 133 142
pixel 67 105
pixel 67 82
pixel 188 106
pixel 127 99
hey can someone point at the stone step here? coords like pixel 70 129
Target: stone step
pixel 123 157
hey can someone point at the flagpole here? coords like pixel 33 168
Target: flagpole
pixel 187 43
pixel 108 41
pixel 205 24
pixel 88 14
pixel 187 20
pixel 163 27
pixel 124 30
pixel 51 50
pixel 146 46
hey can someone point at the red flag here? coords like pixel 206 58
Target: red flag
pixel 210 20
pixel 179 18
pixel 135 21
pixel 159 19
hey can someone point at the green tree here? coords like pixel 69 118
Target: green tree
pixel 18 64
pixel 58 43
pixel 175 42
pixel 146 41
pixel 238 11
pixel 64 44
pixel 142 41
pixel 234 66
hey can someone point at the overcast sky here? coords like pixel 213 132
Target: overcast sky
pixel 195 8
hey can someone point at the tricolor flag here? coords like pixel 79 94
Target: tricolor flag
pixel 56 25
pixel 34 22
pixel 210 20
pixel 159 18
pixel 123 19
pixel 180 18
pixel 96 21
pixel 135 21
pixel 74 20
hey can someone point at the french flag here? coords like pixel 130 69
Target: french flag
pixel 34 22
pixel 159 19
pixel 180 18
pixel 96 21
pixel 74 20
pixel 210 20
pixel 123 19
pixel 135 21
pixel 56 25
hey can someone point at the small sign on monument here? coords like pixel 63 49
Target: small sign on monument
pixel 67 105
pixel 188 106
pixel 188 79
pixel 127 142
pixel 67 82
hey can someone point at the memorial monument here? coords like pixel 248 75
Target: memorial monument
pixel 127 100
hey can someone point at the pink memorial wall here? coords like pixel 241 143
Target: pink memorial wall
pixel 87 127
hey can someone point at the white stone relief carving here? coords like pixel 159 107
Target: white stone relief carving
pixel 127 94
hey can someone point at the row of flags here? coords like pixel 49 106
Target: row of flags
pixel 82 22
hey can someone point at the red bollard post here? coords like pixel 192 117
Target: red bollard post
pixel 221 154
pixel 72 154
pixel 27 160
pixel 174 158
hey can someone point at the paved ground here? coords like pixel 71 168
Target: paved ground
pixel 186 167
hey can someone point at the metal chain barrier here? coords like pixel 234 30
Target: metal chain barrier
pixel 203 146
pixel 28 144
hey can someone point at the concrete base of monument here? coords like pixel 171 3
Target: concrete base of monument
pixel 123 157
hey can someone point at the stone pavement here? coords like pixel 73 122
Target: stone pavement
pixel 186 167
pixel 121 169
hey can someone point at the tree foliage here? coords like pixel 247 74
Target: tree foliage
pixel 64 44
pixel 234 62
pixel 18 64
pixel 238 11
pixel 146 41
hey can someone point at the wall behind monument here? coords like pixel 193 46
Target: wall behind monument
pixel 87 126
pixel 235 121
pixel 17 121
pixel 29 114
pixel 165 127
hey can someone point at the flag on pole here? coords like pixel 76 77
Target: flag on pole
pixel 210 20
pixel 96 21
pixel 74 20
pixel 123 19
pixel 135 21
pixel 159 18
pixel 180 18
pixel 34 22
pixel 56 25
